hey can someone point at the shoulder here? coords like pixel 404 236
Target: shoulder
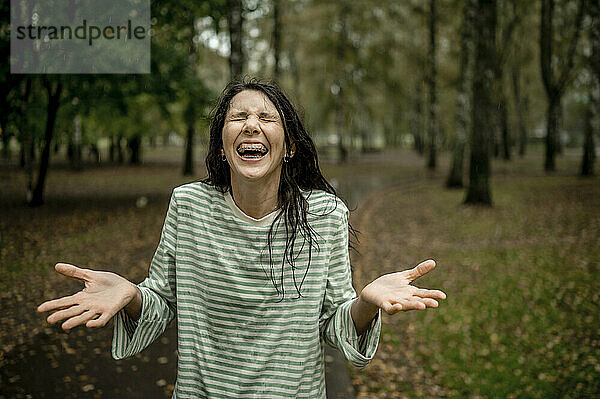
pixel 322 204
pixel 193 193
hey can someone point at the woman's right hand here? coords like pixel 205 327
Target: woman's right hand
pixel 102 297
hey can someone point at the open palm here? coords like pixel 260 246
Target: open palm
pixel 104 295
pixel 393 292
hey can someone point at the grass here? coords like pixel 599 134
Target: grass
pixel 523 288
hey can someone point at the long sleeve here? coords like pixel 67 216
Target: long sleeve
pixel 337 326
pixel 158 296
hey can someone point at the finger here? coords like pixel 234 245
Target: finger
pixel 412 305
pixel 421 269
pixel 72 271
pixel 430 303
pixel 65 314
pixel 59 303
pixel 79 320
pixel 424 293
pixel 98 322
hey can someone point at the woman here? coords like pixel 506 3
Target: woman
pixel 254 263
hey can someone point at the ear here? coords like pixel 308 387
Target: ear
pixel 293 149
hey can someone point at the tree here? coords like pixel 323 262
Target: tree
pixel 26 134
pixel 455 176
pixel 53 90
pixel 510 14
pixel 235 22
pixel 177 77
pixel 433 125
pixel 591 115
pixel 478 191
pixel 555 79
pixel 276 39
pixel 416 119
pixel 339 87
pixel 589 148
pixel 521 105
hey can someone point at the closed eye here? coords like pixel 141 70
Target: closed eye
pixel 238 116
pixel 267 117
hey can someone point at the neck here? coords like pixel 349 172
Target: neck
pixel 255 199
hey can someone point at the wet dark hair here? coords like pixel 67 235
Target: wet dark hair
pixel 300 172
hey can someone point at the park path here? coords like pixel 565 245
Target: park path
pixel 78 364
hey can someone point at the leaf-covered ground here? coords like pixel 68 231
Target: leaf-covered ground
pixel 523 284
pixel 91 219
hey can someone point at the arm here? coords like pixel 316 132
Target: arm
pixel 337 325
pixel 134 308
pixel 362 314
pixel 154 304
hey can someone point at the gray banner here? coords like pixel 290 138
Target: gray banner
pixel 86 36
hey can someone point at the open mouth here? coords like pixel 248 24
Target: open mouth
pixel 252 150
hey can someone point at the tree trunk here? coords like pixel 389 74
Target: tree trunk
pixel 559 123
pixel 76 144
pixel 340 120
pixel 111 149
pixel 504 128
pixel 276 39
pixel 594 12
pixel 26 137
pixel 555 86
pixel 235 21
pixel 53 105
pixel 551 132
pixel 478 191
pixel 4 135
pixel 589 149
pixel 188 164
pixel 120 155
pixel 416 124
pixel 431 82
pixel 135 149
pixel 521 109
pixel 455 176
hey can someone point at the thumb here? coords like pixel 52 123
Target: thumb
pixel 421 269
pixel 72 271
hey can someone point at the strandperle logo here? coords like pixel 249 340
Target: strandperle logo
pixel 82 32
pixel 86 36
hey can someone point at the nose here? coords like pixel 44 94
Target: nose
pixel 251 126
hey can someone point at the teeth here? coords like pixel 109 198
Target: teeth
pixel 252 150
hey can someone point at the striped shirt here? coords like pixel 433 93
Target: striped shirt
pixel 237 337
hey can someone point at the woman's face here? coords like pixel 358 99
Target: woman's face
pixel 253 139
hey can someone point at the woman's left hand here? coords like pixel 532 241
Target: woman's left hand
pixel 393 292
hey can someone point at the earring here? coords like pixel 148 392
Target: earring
pixel 223 157
pixel 286 158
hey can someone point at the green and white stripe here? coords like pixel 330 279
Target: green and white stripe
pixel 236 337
